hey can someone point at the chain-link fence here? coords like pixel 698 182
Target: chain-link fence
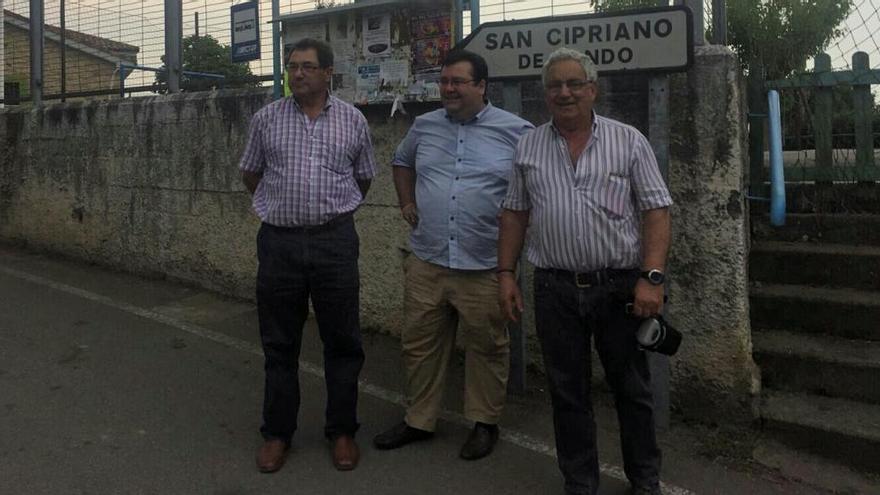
pixel 830 111
pixel 99 35
pixel 104 39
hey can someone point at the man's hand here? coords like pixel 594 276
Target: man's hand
pixel 410 214
pixel 648 299
pixel 509 296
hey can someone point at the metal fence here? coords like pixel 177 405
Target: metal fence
pixel 90 45
pixel 98 35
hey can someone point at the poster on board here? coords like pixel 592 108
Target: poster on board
pixel 431 40
pixel 377 35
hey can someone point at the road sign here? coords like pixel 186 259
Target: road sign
pixel 245 32
pixel 654 39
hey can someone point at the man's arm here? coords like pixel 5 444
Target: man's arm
pixel 251 180
pixel 511 234
pixel 656 235
pixel 405 184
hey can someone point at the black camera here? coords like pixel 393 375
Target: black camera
pixel 655 334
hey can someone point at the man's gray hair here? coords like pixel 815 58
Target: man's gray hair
pixel 569 54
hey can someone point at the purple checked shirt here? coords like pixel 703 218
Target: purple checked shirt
pixel 310 167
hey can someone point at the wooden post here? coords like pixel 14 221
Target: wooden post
pixel 862 110
pixel 822 114
pixel 658 134
pixel 757 114
pixel 516 382
pixel 719 22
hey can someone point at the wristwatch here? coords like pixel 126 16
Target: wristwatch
pixel 654 276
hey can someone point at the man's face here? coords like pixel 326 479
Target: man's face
pixel 568 93
pixel 461 98
pixel 305 75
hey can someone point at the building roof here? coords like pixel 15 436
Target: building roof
pixel 110 50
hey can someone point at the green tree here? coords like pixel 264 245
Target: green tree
pixel 206 54
pixel 781 35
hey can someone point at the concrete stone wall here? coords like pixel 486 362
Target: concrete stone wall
pixel 150 185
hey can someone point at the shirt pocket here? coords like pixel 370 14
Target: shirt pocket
pixel 613 194
pixel 337 157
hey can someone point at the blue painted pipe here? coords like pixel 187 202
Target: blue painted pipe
pixel 777 179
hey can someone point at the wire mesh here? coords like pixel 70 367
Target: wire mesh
pixel 508 10
pixel 861 32
pixel 102 33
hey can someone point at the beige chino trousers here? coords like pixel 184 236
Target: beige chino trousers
pixel 439 301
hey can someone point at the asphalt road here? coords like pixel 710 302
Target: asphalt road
pixel 110 383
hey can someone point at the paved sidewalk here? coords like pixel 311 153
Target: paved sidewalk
pixel 110 383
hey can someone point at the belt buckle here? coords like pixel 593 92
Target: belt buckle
pixel 583 280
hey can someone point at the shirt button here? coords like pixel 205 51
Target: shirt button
pixel 452 218
pixel 461 140
pixel 459 159
pixel 456 178
pixel 451 238
pixel 453 197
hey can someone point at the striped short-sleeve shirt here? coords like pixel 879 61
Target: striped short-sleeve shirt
pixel 587 217
pixel 310 167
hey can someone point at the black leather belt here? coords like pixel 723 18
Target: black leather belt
pixel 334 222
pixel 591 279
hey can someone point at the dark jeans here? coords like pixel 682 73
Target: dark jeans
pixel 295 264
pixel 566 317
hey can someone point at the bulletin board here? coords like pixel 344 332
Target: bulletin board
pixel 390 53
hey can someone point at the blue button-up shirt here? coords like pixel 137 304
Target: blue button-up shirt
pixel 462 170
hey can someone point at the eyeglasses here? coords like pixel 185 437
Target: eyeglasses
pixel 306 68
pixel 573 85
pixel 455 83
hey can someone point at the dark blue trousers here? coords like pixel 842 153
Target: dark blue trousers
pixel 566 317
pixel 296 264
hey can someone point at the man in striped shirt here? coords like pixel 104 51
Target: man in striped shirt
pixel 308 163
pixel 596 207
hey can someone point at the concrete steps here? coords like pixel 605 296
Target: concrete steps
pixel 826 265
pixel 843 312
pixel 832 427
pixel 819 364
pixel 839 198
pixel 815 311
pixel 834 228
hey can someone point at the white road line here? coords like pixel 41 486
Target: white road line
pixel 513 437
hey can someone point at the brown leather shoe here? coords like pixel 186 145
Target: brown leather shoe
pixel 345 453
pixel 271 456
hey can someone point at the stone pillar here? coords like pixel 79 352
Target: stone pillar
pixel 713 374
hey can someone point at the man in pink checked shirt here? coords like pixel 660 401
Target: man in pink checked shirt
pixel 308 163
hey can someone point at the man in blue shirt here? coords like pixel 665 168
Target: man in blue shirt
pixel 451 172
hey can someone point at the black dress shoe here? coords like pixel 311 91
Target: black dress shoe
pixel 480 442
pixel 400 435
pixel 645 490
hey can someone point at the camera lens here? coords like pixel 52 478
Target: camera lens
pixel 650 332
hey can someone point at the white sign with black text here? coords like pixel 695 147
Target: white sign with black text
pixel 245 26
pixel 656 39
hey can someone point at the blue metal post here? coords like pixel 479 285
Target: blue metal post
pixel 459 20
pixel 777 178
pixel 36 49
pixel 475 14
pixel 276 51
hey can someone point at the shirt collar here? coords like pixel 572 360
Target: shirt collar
pixel 594 134
pixel 476 117
pixel 327 103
